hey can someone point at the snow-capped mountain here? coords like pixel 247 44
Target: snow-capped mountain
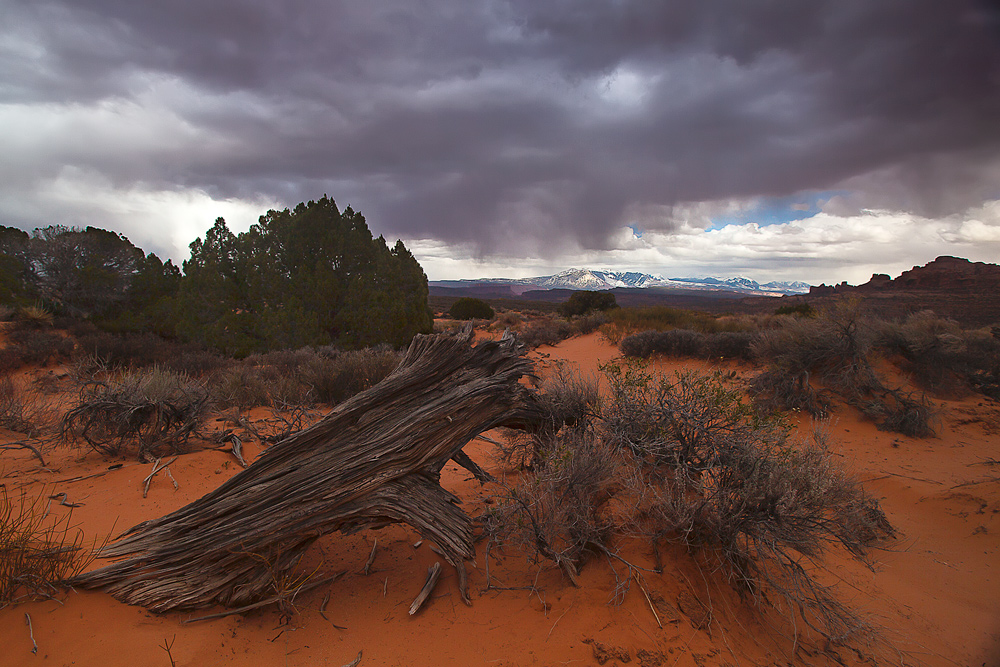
pixel 590 279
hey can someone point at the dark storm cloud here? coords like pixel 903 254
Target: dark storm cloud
pixel 521 125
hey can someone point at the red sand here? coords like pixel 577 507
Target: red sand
pixel 937 591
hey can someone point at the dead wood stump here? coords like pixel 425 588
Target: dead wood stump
pixel 373 460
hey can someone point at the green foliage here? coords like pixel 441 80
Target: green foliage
pixel 800 309
pixel 581 303
pixel 14 263
pixel 89 273
pixel 468 308
pixel 310 276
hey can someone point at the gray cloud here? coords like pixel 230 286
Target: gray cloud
pixel 517 126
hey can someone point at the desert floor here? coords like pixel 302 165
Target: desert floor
pixel 936 590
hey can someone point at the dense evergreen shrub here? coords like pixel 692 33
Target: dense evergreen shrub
pixel 581 303
pixel 469 308
pixel 309 276
pixel 800 309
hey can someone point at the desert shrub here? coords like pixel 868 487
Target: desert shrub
pixel 125 351
pixel 663 318
pixel 143 410
pixel 509 319
pixel 241 385
pixel 36 553
pixel 24 408
pixel 30 346
pixel 737 491
pixel 941 356
pixel 448 326
pixel 565 399
pixel 774 390
pixel 687 343
pixel 558 512
pixel 729 345
pixel 585 324
pixel 285 362
pixel 469 308
pixel 673 343
pixel 836 351
pixel 546 331
pixel 675 422
pixel 626 321
pixel 582 303
pixel 836 347
pixel 291 377
pixel 688 460
pixel 335 378
pixel 142 350
pixel 901 412
pixel 983 368
pixel 196 362
pixel 78 328
pixel 799 309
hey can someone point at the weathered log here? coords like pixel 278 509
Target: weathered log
pixel 373 460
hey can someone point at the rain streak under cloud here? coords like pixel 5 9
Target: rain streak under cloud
pixel 781 140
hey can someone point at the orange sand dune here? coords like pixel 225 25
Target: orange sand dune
pixel 937 591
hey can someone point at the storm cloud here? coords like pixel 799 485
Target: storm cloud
pixel 499 129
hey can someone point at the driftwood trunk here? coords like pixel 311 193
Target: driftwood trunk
pixel 374 460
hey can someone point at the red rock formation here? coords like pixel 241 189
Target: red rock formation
pixel 950 273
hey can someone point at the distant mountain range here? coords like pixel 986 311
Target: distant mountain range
pixel 589 279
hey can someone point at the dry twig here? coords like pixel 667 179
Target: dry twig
pixel 166 647
pixel 31 633
pixel 371 558
pixel 433 572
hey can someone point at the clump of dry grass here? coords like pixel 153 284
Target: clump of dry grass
pixel 36 551
pixel 35 316
pixel 143 410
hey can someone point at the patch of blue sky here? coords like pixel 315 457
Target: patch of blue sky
pixel 766 211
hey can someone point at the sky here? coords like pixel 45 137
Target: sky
pixel 776 139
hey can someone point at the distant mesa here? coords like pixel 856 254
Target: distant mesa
pixel 944 274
